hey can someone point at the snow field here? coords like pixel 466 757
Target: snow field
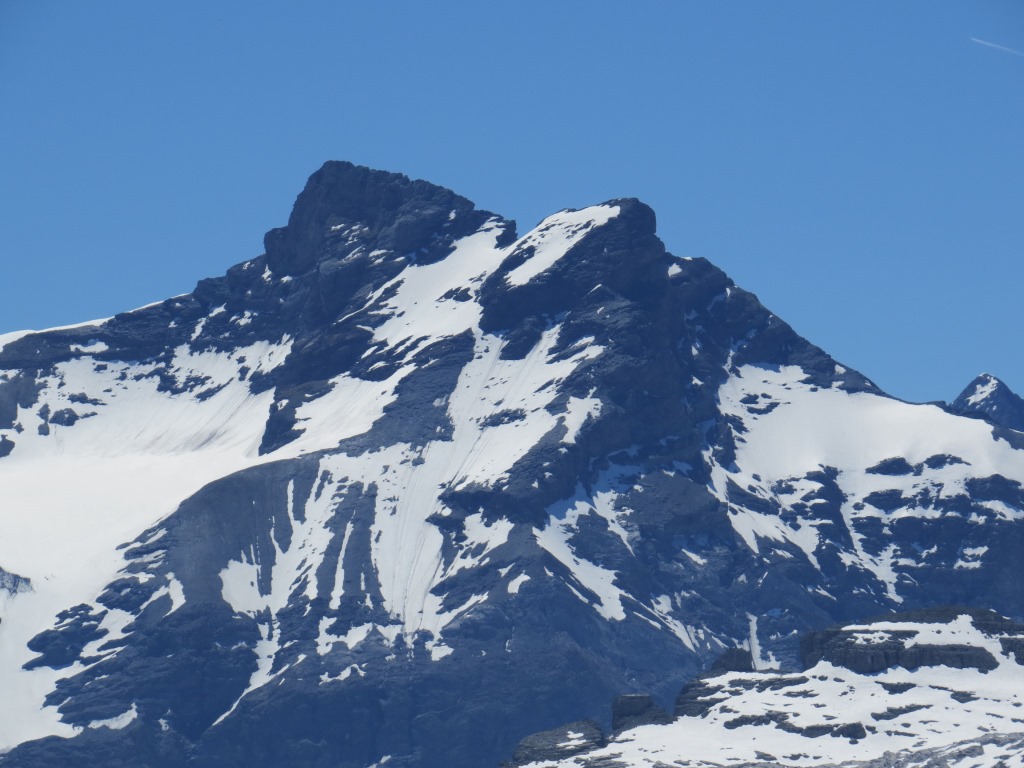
pixel 931 707
pixel 785 444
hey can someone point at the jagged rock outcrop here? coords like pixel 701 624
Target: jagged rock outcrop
pixel 558 743
pixel 844 647
pixel 13 584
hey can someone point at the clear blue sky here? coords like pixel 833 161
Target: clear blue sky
pixel 857 165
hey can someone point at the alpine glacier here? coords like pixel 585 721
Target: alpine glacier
pixel 409 486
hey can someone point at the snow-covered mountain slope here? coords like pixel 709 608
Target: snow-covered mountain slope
pixel 412 485
pixel 917 689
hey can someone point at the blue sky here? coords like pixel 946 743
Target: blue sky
pixel 858 166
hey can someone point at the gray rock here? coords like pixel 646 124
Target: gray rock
pixel 559 743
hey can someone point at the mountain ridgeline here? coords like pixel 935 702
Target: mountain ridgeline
pixel 411 486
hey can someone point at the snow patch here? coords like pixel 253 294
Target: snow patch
pixel 554 237
pixel 983 390
pixel 516 583
pixel 118 722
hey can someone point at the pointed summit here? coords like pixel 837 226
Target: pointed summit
pixel 989 398
pixel 341 199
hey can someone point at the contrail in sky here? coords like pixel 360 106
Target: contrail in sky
pixel 997 47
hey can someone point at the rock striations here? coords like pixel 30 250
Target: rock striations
pixel 411 486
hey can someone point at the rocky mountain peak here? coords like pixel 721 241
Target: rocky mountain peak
pixel 342 201
pixel 444 485
pixel 989 398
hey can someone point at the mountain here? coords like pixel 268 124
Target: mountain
pixel 411 486
pixel 936 688
pixel 988 398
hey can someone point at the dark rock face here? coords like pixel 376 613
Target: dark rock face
pixel 635 709
pixel 733 660
pixel 12 583
pixel 387 209
pixel 696 699
pixel 698 696
pixel 847 648
pixel 559 743
pixel 476 504
pixel 852 731
pixel 891 654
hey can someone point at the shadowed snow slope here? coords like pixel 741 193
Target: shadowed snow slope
pixel 412 486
